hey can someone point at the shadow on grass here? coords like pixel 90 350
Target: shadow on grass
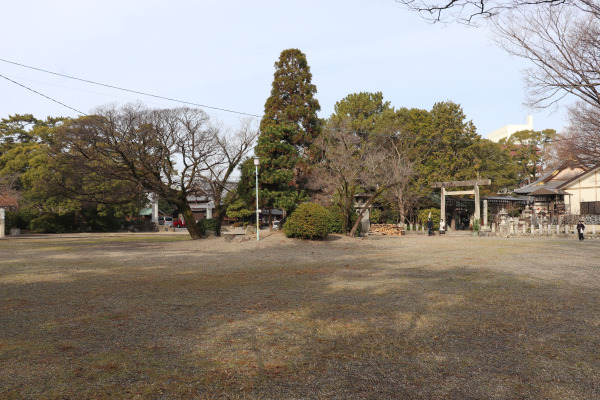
pixel 343 326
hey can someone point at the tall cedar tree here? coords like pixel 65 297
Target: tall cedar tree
pixel 277 186
pixel 291 105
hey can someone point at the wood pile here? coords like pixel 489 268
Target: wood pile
pixel 386 229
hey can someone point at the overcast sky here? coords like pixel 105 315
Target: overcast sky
pixel 221 54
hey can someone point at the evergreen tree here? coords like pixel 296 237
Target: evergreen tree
pixel 359 113
pixel 277 184
pixel 287 130
pixel 292 102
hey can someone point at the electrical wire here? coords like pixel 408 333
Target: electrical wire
pixel 182 101
pixel 130 90
pixel 43 95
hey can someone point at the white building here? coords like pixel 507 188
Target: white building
pixel 584 193
pixel 507 130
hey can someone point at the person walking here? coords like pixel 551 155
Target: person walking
pixel 580 229
pixel 429 227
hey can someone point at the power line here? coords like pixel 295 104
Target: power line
pixel 129 90
pixel 43 95
pixel 183 102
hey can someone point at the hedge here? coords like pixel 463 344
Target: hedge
pixel 308 221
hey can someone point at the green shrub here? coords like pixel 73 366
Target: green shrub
pixel 210 224
pixel 308 221
pixel 336 219
pixel 49 223
pixel 20 219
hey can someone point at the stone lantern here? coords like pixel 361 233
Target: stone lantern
pixel 359 202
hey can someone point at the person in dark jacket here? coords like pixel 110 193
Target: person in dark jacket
pixel 580 229
pixel 429 227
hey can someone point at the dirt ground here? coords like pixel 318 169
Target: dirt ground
pixel 159 316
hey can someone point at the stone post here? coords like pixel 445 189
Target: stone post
pixel 443 205
pixel 155 208
pixel 477 206
pixel 485 213
pixel 2 223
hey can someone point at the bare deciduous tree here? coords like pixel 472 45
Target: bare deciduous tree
pixel 469 11
pixel 582 136
pixel 350 163
pixel 563 44
pixel 214 179
pixel 385 166
pixel 159 151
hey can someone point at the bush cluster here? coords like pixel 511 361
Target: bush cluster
pixel 308 221
pixel 336 219
pixel 210 224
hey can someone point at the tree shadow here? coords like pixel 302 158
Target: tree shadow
pixel 309 327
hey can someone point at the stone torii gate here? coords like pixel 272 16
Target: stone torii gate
pixel 475 183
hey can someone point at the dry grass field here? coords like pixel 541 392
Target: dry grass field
pixel 158 316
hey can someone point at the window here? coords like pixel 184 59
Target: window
pixel 589 208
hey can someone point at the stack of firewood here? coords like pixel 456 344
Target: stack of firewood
pixel 386 229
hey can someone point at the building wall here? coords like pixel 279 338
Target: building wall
pixel 508 130
pixel 585 189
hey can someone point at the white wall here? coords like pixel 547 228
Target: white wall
pixel 586 188
pixel 508 130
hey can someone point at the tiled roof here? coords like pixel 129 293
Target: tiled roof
pixel 7 200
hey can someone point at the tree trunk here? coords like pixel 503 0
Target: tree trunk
pixel 220 216
pixel 183 207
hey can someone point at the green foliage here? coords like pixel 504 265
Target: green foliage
pixel 528 149
pixel 308 221
pixel 359 112
pixel 292 102
pixel 336 219
pixel 238 207
pixel 375 215
pixel 20 219
pixel 166 207
pixel 276 177
pixel 52 223
pixel 493 161
pixel 435 216
pixel 210 224
pixel 390 216
pixel 452 139
pixel 476 225
pixel 101 218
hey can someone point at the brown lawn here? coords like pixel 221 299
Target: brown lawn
pixel 158 316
